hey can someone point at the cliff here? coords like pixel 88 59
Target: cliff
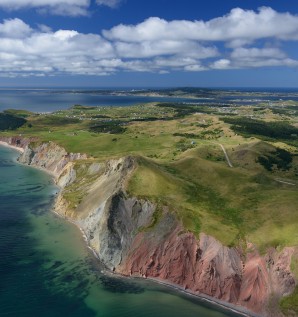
pixel 136 237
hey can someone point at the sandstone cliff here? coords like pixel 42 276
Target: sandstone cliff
pixel 126 238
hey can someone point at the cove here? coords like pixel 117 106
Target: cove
pixel 47 270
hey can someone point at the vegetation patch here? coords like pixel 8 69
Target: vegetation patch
pixel 281 159
pixel 54 121
pixel 269 130
pixel 113 127
pixel 156 217
pixel 289 304
pixel 182 110
pixel 19 113
pixel 10 122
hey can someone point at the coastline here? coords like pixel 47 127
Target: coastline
pixel 19 149
pixel 215 302
pixel 208 299
pixel 202 297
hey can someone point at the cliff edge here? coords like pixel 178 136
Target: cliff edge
pixel 138 237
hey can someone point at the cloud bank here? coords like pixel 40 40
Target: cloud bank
pixel 240 39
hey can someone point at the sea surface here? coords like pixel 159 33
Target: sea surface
pixel 53 99
pixel 47 270
pixel 50 100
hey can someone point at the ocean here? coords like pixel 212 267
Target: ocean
pixel 47 270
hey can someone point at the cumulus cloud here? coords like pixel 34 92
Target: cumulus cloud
pixel 221 64
pixel 63 51
pixel 14 28
pixel 240 39
pixel 164 47
pixel 252 53
pixel 253 58
pixel 238 25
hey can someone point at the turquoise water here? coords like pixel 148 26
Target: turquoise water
pixel 46 269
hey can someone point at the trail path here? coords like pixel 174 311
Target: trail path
pixel 283 182
pixel 226 155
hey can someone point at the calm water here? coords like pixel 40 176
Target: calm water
pixel 46 269
pixel 53 100
pixel 49 100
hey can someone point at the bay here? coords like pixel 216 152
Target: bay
pixel 47 270
pixel 53 99
pixel 50 100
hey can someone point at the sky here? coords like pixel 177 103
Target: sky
pixel 148 43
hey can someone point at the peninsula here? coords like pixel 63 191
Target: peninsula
pixel 202 197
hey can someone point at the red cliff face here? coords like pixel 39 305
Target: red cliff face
pixel 255 287
pixel 205 266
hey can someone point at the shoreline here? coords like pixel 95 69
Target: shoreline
pixel 19 149
pixel 201 297
pixel 205 298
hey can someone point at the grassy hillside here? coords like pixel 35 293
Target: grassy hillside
pixel 182 165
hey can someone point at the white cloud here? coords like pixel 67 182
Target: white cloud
pixel 154 45
pixel 249 53
pixel 61 7
pixel 254 61
pixel 238 25
pixel 44 28
pixel 14 28
pixel 164 47
pixel 194 68
pixel 221 64
pixel 63 51
pixel 109 3
pixel 57 7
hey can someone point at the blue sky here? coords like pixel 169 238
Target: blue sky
pixel 130 43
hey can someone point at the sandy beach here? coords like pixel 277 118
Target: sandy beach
pixel 21 150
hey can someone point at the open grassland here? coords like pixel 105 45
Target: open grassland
pixel 181 166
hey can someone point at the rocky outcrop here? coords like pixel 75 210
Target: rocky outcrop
pixel 126 237
pixel 17 141
pixel 109 218
pixel 48 156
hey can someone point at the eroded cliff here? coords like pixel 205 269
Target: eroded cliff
pixel 130 239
